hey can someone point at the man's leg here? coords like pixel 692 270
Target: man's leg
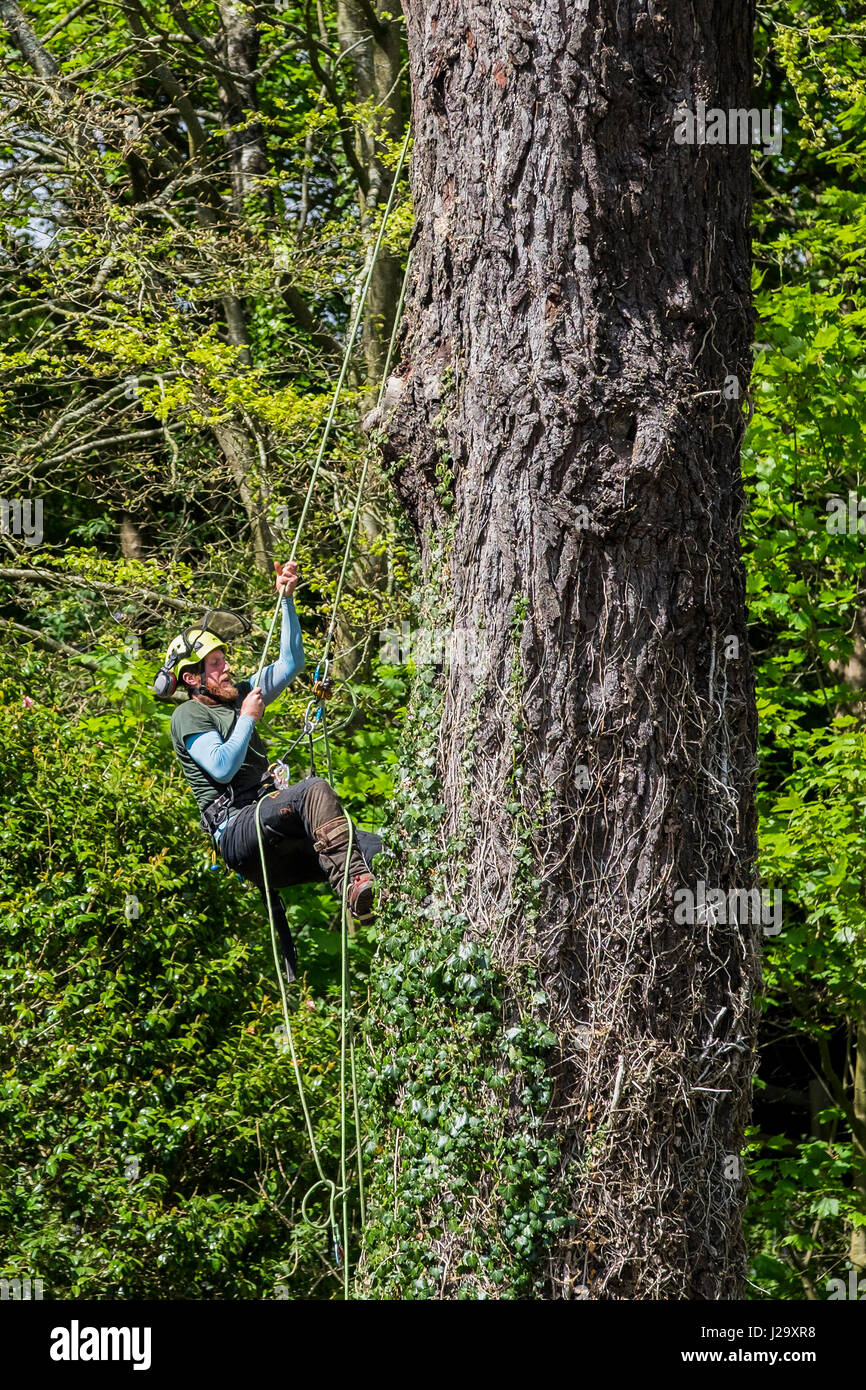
pixel 289 859
pixel 305 836
pixel 313 808
pixel 326 823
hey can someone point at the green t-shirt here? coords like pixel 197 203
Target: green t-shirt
pixel 192 717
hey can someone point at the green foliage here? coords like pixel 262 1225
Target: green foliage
pixel 153 1143
pixel 800 1200
pixel 167 363
pixel 805 589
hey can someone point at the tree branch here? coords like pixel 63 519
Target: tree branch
pixel 52 644
pixel 67 19
pixel 81 581
pixel 26 41
pixel 375 23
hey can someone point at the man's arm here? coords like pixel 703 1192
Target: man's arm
pixel 221 760
pixel 291 660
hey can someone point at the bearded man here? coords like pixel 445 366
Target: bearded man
pixel 305 832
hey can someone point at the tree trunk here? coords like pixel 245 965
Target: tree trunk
pixel 853 673
pixel 238 450
pixel 245 141
pixel 570 463
pixel 131 542
pixel 25 40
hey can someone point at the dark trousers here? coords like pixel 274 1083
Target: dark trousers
pixel 289 820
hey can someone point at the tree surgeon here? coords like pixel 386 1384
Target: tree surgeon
pixel 569 459
pixel 305 831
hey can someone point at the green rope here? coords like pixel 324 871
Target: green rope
pixel 333 1191
pixel 367 457
pixel 350 343
pixel 346 1030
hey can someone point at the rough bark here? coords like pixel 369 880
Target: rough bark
pixel 580 292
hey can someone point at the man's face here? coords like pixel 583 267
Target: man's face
pixel 217 676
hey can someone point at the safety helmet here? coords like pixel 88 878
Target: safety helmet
pixel 189 648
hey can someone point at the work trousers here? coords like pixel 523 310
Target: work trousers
pixel 290 819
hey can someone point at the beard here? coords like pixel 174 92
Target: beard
pixel 223 689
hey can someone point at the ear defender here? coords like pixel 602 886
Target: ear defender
pixel 165 683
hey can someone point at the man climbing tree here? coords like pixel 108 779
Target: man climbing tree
pixel 305 833
pixel 562 1072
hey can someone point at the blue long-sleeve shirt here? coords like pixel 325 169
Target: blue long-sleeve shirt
pixel 222 759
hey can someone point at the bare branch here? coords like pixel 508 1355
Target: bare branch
pixel 80 581
pixel 52 644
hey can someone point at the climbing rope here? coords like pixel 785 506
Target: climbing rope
pixel 367 456
pixel 323 1181
pixel 323 663
pixel 350 343
pixel 321 692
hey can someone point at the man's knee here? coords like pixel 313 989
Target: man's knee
pixel 320 800
pixel 279 807
pixel 317 786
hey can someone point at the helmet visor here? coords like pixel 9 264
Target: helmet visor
pixel 225 624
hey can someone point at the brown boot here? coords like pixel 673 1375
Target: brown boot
pixel 330 843
pixel 361 897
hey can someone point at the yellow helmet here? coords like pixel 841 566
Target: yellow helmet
pixel 191 647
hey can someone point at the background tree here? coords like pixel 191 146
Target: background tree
pixel 168 363
pixel 808 1161
pixel 179 260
